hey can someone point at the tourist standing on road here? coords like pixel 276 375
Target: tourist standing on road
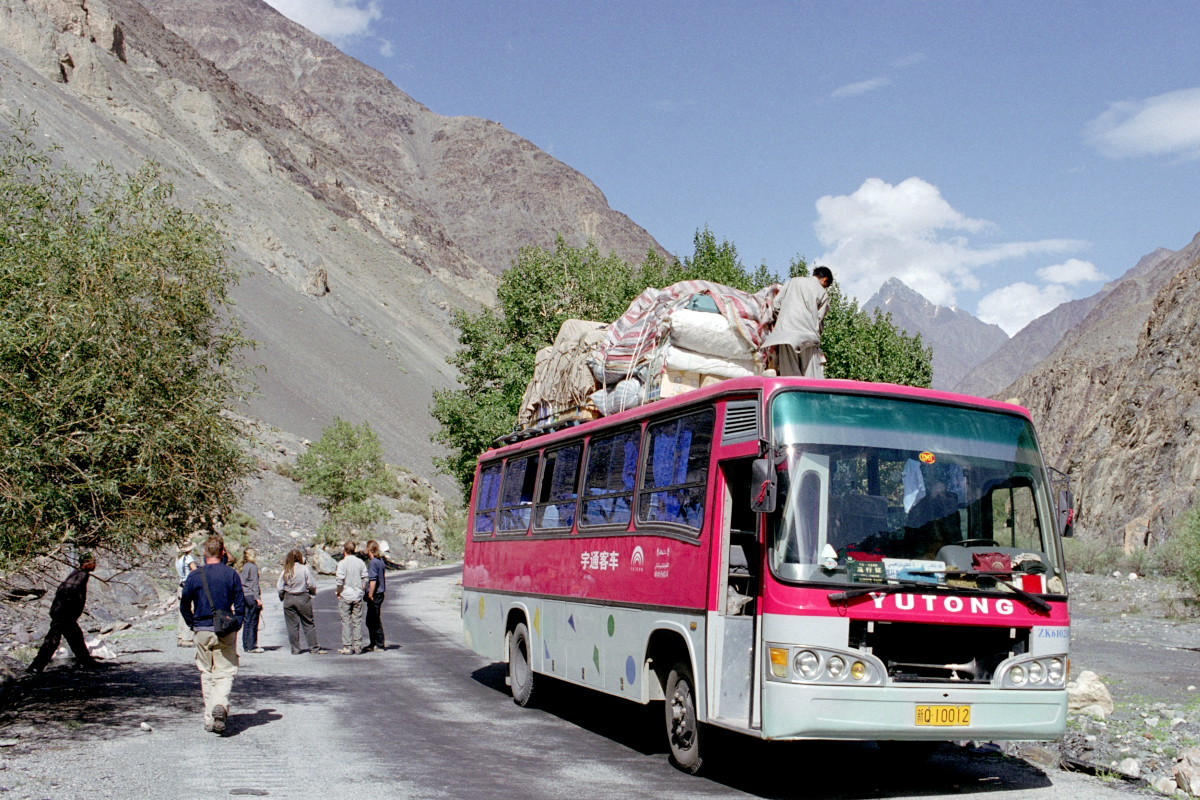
pixel 214 585
pixel 69 600
pixel 351 588
pixel 185 562
pixel 253 592
pixel 376 586
pixel 297 585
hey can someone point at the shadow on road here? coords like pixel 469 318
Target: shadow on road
pixel 67 704
pixel 813 769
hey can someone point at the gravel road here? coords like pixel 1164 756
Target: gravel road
pixel 424 719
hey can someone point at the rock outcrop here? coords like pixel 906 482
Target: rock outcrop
pixel 1118 402
pixel 1037 340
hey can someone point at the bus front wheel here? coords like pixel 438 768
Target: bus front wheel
pixel 520 666
pixel 683 729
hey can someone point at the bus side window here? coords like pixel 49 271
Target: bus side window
pixel 516 493
pixel 559 488
pixel 487 496
pixel 609 478
pixel 675 480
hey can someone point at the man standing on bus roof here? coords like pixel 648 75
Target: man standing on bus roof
pixel 800 309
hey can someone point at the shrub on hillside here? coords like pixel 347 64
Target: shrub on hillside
pixel 345 469
pixel 1183 552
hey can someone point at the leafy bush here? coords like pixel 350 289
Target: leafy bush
pixel 453 532
pixel 345 468
pixel 1092 556
pixel 238 527
pixel 1183 552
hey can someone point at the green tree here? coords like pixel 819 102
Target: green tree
pixel 345 468
pixel 545 287
pixel 118 358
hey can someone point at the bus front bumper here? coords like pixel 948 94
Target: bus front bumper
pixel 802 711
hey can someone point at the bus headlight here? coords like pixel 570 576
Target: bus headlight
pixel 807 664
pixel 823 665
pixel 836 667
pixel 1034 672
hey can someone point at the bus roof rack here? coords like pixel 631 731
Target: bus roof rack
pixel 568 419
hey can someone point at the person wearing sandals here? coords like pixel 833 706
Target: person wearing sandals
pixel 253 593
pixel 296 589
pixel 351 587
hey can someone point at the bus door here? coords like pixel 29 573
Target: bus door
pixel 734 632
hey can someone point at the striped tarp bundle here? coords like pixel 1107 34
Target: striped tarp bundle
pixel 641 330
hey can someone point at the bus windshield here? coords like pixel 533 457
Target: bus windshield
pixel 920 490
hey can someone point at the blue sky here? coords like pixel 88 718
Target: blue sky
pixel 1000 157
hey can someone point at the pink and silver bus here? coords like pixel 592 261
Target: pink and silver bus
pixel 784 557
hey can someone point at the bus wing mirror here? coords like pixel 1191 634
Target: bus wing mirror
pixel 762 486
pixel 1066 512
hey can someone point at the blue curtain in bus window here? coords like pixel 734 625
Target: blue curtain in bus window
pixel 611 475
pixel 516 493
pixel 676 483
pixel 560 482
pixel 487 496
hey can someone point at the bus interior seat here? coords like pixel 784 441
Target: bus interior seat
pixel 860 516
pixel 737 561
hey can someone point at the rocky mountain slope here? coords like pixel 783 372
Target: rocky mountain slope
pixel 1038 339
pixel 355 249
pixel 1118 402
pixel 959 340
pixel 491 191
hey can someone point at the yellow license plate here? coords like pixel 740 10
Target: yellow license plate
pixel 946 716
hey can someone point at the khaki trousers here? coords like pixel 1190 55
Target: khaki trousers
pixel 217 660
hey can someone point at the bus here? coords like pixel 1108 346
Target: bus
pixel 789 558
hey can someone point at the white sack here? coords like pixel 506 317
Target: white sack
pixel 687 361
pixel 708 333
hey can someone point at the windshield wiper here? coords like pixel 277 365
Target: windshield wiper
pixel 1032 599
pixel 885 588
pixel 892 588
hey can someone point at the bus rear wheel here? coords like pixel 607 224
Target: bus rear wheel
pixel 520 666
pixel 683 728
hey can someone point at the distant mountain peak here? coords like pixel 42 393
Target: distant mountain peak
pixel 959 340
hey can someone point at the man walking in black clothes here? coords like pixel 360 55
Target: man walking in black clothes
pixel 65 611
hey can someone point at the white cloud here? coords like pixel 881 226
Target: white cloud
pixel 1071 272
pixel 909 231
pixel 331 19
pixel 1164 125
pixel 862 87
pixel 1018 304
